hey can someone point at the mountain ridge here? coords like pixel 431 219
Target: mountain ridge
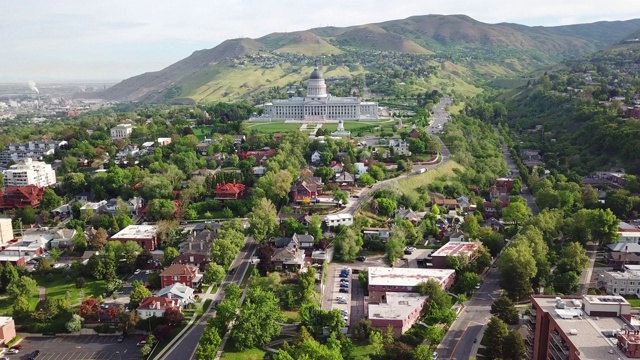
pixel 422 34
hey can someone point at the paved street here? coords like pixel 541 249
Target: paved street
pixel 186 347
pixel 458 341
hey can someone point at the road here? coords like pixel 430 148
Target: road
pixel 515 172
pixel 186 347
pixel 458 342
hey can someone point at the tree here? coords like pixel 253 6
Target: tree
pixel 75 324
pixel 27 216
pixel 265 252
pixel 618 202
pixel 435 209
pixel 173 316
pixel 55 254
pixel 566 282
pixel 366 180
pixel 394 249
pixel 257 322
pixel 128 321
pixel 376 172
pixel 161 209
pixel 574 258
pixel 23 286
pixel 213 274
pixel 438 309
pixel 155 187
pixel 170 254
pixel 21 307
pixel 223 252
pixel 495 334
pixel 387 206
pixel 50 200
pixel 516 212
pixel 347 245
pixel 514 346
pixel 377 343
pixel 99 239
pixel 361 329
pixel 517 267
pixel 467 282
pixel 471 226
pixel 89 309
pixel 315 227
pixel 208 344
pixel 505 310
pixel 326 173
pixel 276 185
pixel 138 293
pixel 80 241
pixel 341 197
pixel 423 352
pixel 263 220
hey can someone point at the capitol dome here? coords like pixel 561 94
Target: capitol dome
pixel 316 74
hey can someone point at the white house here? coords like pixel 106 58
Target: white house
pixel 339 219
pixel 622 283
pixel 156 306
pixel 178 291
pixel 316 157
pixel 399 147
pixel 122 131
pixel 361 168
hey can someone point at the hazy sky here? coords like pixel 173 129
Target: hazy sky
pixel 101 40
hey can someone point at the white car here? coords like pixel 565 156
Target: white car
pixel 137 272
pixel 147 272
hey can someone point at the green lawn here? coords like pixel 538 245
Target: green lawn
pixel 634 301
pixel 272 126
pixel 249 354
pixel 409 185
pixel 362 349
pixel 58 289
pixel 291 316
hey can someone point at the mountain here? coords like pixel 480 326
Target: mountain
pixel 501 49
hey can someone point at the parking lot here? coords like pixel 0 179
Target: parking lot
pixel 333 292
pixel 81 348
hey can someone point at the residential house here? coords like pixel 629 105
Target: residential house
pixel 229 191
pixel 129 150
pixel 361 168
pixel 290 257
pixel 345 178
pixel 316 157
pixel 259 170
pixel 414 133
pixel 457 236
pixel 322 256
pixel 399 147
pixel 448 204
pixel 84 259
pixel 178 273
pixel 194 259
pixel 132 205
pixel 199 243
pixel 239 139
pixel 180 292
pixel 531 157
pixel 94 207
pixel 305 174
pixel 63 239
pixel 505 185
pixel 203 148
pixel 18 197
pixel 82 196
pixel 164 141
pixel 463 203
pixel 494 224
pixel 156 306
pixel 336 167
pixel 407 214
pixel 338 219
pixel 383 233
pixel 306 190
pixel 305 241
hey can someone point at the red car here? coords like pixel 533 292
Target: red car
pixel 17 347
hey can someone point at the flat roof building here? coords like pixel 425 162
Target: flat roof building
pixel 590 327
pixel 400 311
pixel 28 172
pixel 145 235
pixel 405 280
pixel 457 249
pixel 121 131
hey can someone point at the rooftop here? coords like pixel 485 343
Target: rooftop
pixel 5 320
pixel 179 269
pixel 456 249
pixel 137 232
pixel 397 307
pixel 587 333
pixel 406 276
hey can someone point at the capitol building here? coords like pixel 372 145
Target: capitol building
pixel 319 106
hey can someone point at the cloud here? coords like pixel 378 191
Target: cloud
pixel 96 37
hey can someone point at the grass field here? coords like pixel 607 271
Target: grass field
pixel 57 289
pixel 409 185
pixel 272 126
pixel 249 354
pixel 634 301
pixel 362 350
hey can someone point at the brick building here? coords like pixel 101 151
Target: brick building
pixel 180 273
pixel 145 235
pixel 404 280
pixel 399 310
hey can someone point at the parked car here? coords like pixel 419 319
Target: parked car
pixel 344 312
pixel 408 252
pixel 147 272
pixel 344 285
pixel 361 258
pixel 477 286
pixel 13 351
pixel 17 347
pixel 344 275
pixel 136 272
pixel 120 338
pixel 340 298
pixel 342 301
pixel 343 290
pixel 141 342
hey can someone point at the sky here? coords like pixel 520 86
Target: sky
pixel 86 40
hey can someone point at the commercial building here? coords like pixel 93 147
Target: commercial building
pixel 122 131
pixel 6 231
pixel 404 280
pixel 7 329
pixel 399 310
pixel 181 274
pixel 145 235
pixel 31 150
pixel 466 250
pixel 582 328
pixel 319 105
pixel 28 172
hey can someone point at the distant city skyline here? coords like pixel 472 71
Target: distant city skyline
pixel 73 40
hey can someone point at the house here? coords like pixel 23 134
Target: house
pixel 377 233
pixel 203 147
pixel 19 197
pixel 345 178
pixel 336 167
pixel 338 219
pixel 145 235
pixel 7 329
pixel 63 239
pixel 290 257
pixel 414 133
pixel 405 280
pixel 463 203
pixel 407 214
pixel 180 292
pixel 87 255
pixel 361 168
pixel 322 256
pixel 305 241
pixel 505 185
pixel 305 174
pixel 239 139
pixel 399 147
pixel 494 224
pixel 132 205
pixel 164 141
pixel 194 259
pixel 261 156
pixel 156 306
pixel 184 274
pixel 82 196
pixel 122 131
pixel 316 157
pixel 457 236
pixel 448 204
pixel 94 207
pixel 259 170
pixel 305 190
pixel 398 310
pixel 229 191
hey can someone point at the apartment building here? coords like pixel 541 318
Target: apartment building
pixel 32 150
pixel 28 172
pixel 590 327
pixel 625 282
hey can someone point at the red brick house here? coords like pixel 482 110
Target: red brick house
pixel 414 133
pixel 18 197
pixel 229 191
pixel 178 273
pixel 307 189
pixel 259 155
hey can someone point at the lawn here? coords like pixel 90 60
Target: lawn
pixel 272 126
pixel 634 301
pixel 58 289
pixel 291 316
pixel 409 185
pixel 231 353
pixel 362 349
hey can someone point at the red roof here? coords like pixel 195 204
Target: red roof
pixel 158 303
pixel 229 188
pixel 21 196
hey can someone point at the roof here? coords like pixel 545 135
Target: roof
pixel 157 303
pixel 398 306
pixel 316 75
pixel 188 258
pixel 136 232
pixel 178 289
pixel 406 276
pixel 456 249
pixel 624 247
pixel 288 256
pixel 338 217
pixel 303 238
pixel 179 269
pixel 233 188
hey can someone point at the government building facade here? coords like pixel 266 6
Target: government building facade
pixel 318 105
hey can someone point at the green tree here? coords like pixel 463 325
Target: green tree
pixel 223 252
pixel 138 293
pixel 208 344
pixel 340 197
pixel 435 209
pixel 471 226
pixel 394 249
pixel 276 185
pixel 315 227
pixel 377 344
pixel 170 254
pixel 213 274
pixel 75 324
pixel 326 173
pixel 376 172
pixel 438 309
pixel 516 212
pixel 27 216
pixel 161 209
pixel 514 346
pixel 257 322
pixel 505 310
pixel 50 200
pixel 366 180
pixel 517 267
pixel 495 334
pixel 21 307
pixel 23 286
pixel 155 187
pixel 467 282
pixel 263 221
pixel 566 282
pixel 347 245
pixel 387 207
